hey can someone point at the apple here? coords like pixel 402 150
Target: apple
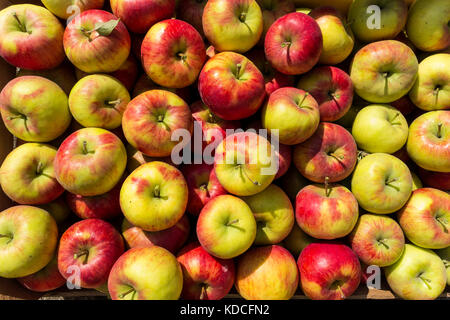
pixel 27 174
pixel 150 120
pixel 292 182
pixel 21 102
pixel 329 271
pixel 231 86
pixel 338 40
pixel 293 44
pixel 267 273
pixel 432 88
pixel 226 227
pixel 428 142
pixel 154 196
pixel 171 239
pixel 437 180
pixel 90 162
pixel 425 218
pixel 273 213
pixel 65 9
pixel 427 25
pixel 294 113
pixel 330 152
pixel 380 128
pixel 30 37
pixel 58 209
pixel 28 239
pixel 129 279
pixel 297 240
pixel 232 25
pixel 191 11
pixel 271 11
pixel 284 156
pixel 444 254
pixel 381 183
pixel 417 184
pixel 95 41
pixel 419 274
pixel 137 158
pixel 384 71
pixel 332 88
pixel 204 277
pixel 99 101
pixel 140 15
pixel 173 53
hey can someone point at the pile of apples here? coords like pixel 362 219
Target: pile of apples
pixel 357 94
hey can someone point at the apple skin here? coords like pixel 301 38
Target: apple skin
pixel 329 271
pixel 419 274
pixel 27 174
pixel 432 88
pixel 437 180
pixel 191 11
pixel 427 25
pixel 284 155
pixel 171 239
pixel 94 53
pixel 150 119
pixel 333 90
pixel 140 15
pixel 90 162
pixel 173 53
pixel 425 218
pixel 129 278
pixel 39 46
pixel 232 25
pixel 20 257
pixel 21 102
pixel 428 142
pixel 271 11
pixel 63 9
pixel 204 277
pixel 287 51
pixel 226 227
pixel 297 240
pixel 330 152
pixel 267 273
pixel 377 240
pixel 384 71
pixel 444 254
pixel 231 86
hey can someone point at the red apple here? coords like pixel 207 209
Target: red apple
pixel 437 180
pixel 271 11
pixel 191 11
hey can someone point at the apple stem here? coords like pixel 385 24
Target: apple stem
pixel 212 118
pixel 381 241
pixel 436 93
pixel 39 168
pixel 286 44
pixel 157 191
pixel 5 236
pixel 338 158
pixel 256 183
pixel 238 70
pixel 303 100
pixel 328 189
pixel 439 132
pixel 389 183
pixel 85 149
pixel 22 26
pixel 443 224
pixel 446 263
pixel 341 292
pixel 426 281
pixel 84 253
pixel 242 16
pixel 113 103
pixel 203 294
pixel 232 222
pixel 123 295
pixel 395 117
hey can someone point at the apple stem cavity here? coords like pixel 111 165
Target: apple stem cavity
pixel 85 148
pixel 238 71
pixel 84 253
pixel 256 183
pixel 39 168
pixel 442 223
pixel 381 241
pixel 389 184
pixel 436 93
pixel 426 281
pixel 6 236
pixel 22 26
pixel 338 158
pixel 300 103
pixel 114 103
pixel 393 119
pixel 230 223
pixel 182 56
pixel 123 295
pixel 439 131
pixel 242 16
pixel 203 293
pixel 157 191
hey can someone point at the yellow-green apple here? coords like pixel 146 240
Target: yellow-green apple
pixel 425 218
pixel 332 88
pixel 21 102
pixel 154 196
pixel 205 277
pixel 416 183
pixel 58 209
pixel 150 120
pixel 444 254
pixel 327 211
pixel 144 83
pixel 171 239
pixel 329 271
pixel 232 25
pixel 28 239
pixel 173 53
pixel 384 71
pixel 89 248
pixel 245 163
pixel 140 15
pixel 27 175
pixel 330 152
pixel 370 25
pixel 96 41
pixel 90 162
pixel 380 128
pixel 297 240
pixel 273 213
pixel 231 86
pixel 381 183
pixel 377 240
pixel 98 101
pixel 293 44
pixel 338 40
pixel 419 274
pixel 130 280
pixel 427 25
pixel 137 158
pixel 432 88
pixel 303 10
pixel 226 227
pixel 428 142
pixel 267 273
pixel 293 113
pixel 203 186
pixel 271 11
pixel 341 5
pixel 191 11
pixel 437 180
pixel 65 9
pixel 292 182
pixel 284 156
pixel 30 37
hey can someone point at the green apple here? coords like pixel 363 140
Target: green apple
pixel 297 240
pixel 445 256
